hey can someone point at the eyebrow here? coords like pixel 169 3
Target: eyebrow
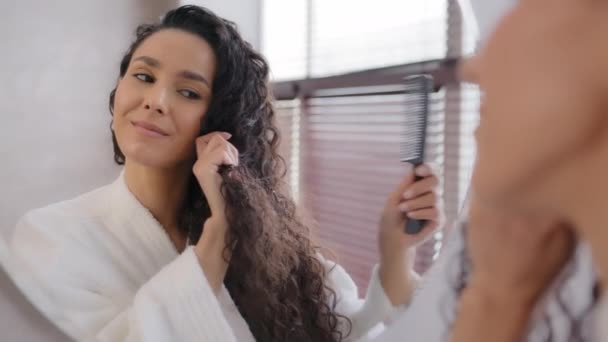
pixel 148 60
pixel 187 74
pixel 190 75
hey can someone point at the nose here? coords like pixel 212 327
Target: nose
pixel 468 70
pixel 157 99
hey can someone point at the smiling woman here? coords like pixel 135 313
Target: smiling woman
pixel 169 71
pixel 197 240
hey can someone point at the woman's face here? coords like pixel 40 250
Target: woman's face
pixel 162 98
pixel 538 73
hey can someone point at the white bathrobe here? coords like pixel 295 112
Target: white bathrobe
pixel 601 321
pixel 103 269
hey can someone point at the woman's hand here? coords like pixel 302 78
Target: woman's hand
pixel 214 151
pixel 514 259
pixel 410 200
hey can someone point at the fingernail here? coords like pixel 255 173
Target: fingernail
pixel 403 207
pixel 226 135
pixel 411 214
pixel 408 194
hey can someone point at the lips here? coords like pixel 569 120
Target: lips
pixel 149 128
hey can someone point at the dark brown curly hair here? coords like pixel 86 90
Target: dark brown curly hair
pixel 274 276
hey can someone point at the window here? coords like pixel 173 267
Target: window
pixel 284 36
pixel 314 38
pixel 342 66
pixel 352 35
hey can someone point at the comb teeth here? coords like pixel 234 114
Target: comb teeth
pixel 417 93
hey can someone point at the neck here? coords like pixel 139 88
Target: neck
pixel 585 200
pixel 162 192
pixel 585 195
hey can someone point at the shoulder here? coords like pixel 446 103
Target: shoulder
pixel 83 208
pixel 44 233
pixel 338 278
pixel 601 319
pixel 50 251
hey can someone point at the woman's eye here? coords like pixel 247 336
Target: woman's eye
pixel 189 94
pixel 144 78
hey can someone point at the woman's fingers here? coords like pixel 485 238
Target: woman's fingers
pixel 421 187
pixel 431 214
pixel 235 154
pixel 424 170
pixel 428 200
pixel 203 141
pixel 215 149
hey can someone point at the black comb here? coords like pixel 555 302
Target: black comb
pixel 413 139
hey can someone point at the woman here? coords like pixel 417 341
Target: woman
pixel 197 240
pixel 565 312
pixel 542 147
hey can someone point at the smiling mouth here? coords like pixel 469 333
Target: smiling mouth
pixel 149 129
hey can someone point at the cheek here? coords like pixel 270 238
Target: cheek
pixel 124 99
pixel 496 164
pixel 532 124
pixel 188 121
pixel 526 138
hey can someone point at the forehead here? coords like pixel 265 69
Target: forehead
pixel 173 46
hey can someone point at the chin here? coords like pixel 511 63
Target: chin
pixel 146 160
pixel 146 156
pixel 499 193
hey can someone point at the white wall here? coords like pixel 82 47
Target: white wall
pixel 59 62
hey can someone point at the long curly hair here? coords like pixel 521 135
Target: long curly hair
pixel 275 276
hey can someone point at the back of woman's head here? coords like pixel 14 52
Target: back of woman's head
pixel 274 275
